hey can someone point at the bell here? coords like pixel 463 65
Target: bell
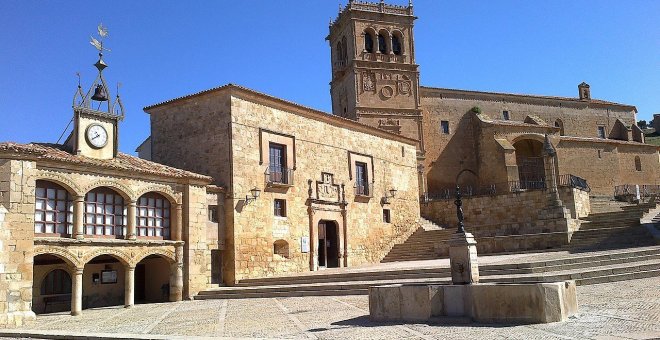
pixel 99 94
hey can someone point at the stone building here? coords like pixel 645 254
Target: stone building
pixel 304 189
pixel 83 225
pixel 473 138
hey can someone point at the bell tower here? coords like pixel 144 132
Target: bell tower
pixel 375 79
pixel 95 117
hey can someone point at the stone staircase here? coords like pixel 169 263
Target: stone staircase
pixel 585 268
pixel 422 244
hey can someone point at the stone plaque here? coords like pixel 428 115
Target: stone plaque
pixel 326 189
pixel 304 244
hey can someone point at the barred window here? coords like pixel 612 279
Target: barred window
pixel 53 209
pixel 153 216
pixel 279 207
pixel 105 213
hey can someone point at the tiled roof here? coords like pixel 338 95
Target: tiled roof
pixel 123 162
pixel 523 96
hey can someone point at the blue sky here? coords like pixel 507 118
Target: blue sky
pixel 166 49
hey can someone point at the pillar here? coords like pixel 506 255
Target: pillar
pixel 129 287
pixel 313 240
pixel 76 292
pixel 176 276
pixel 132 221
pixel 178 222
pixel 344 217
pixel 78 217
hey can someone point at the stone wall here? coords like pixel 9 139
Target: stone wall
pixel 199 244
pixel 320 147
pixel 16 234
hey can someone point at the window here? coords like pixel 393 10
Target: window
pixel 279 207
pixel 638 163
pixel 361 179
pixel 560 124
pixel 386 216
pixel 213 213
pixel 396 45
pixel 444 127
pixel 505 114
pixel 281 248
pixel 368 43
pixel 340 54
pixel 56 282
pixel 104 213
pixel 601 132
pixel 53 211
pixel 382 47
pixel 277 163
pixel 153 216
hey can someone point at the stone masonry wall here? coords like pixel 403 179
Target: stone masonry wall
pixel 16 242
pixel 197 252
pixel 319 147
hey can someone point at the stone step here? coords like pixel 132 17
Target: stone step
pixel 582 276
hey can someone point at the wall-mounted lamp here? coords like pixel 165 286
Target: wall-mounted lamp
pixel 255 194
pixel 389 195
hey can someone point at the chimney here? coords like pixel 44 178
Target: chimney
pixel 583 90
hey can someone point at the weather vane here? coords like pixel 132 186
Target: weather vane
pixel 98 43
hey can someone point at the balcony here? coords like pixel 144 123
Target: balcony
pixel 363 190
pixel 277 176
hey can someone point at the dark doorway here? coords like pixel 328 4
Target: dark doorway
pixel 140 283
pixel 529 159
pixel 328 245
pixel 216 266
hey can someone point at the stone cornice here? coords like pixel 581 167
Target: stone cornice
pixel 63 241
pixel 432 92
pixel 608 141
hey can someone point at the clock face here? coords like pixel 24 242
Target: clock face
pixel 97 136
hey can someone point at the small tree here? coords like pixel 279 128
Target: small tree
pixel 476 109
pixel 643 124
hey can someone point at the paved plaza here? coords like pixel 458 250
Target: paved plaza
pixel 620 310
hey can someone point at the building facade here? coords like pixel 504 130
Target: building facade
pixel 331 192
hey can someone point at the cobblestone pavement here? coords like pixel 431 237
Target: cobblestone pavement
pixel 621 310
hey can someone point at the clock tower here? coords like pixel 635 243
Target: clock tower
pixel 95 117
pixel 375 79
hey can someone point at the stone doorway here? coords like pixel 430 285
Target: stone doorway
pixel 328 244
pixel 52 284
pixel 529 159
pixel 152 280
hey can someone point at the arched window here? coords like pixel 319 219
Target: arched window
pixel 153 216
pixel 382 46
pixel 396 44
pixel 56 282
pixel 104 213
pixel 560 124
pixel 368 43
pixel 53 211
pixel 340 54
pixel 344 48
pixel 638 163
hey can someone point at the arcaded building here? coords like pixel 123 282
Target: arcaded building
pixel 83 225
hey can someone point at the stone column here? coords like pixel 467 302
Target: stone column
pixel 132 221
pixel 78 217
pixel 549 153
pixel 176 276
pixel 77 291
pixel 344 216
pixel 313 241
pixel 178 222
pixel 129 287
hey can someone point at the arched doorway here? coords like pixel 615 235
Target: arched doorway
pixel 152 279
pixel 103 282
pixel 328 244
pixel 51 287
pixel 529 159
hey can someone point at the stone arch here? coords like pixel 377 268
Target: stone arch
pixel 38 281
pixel 121 189
pixel 399 35
pixel 371 33
pixel 168 255
pixel 124 258
pixel 281 248
pixel 467 177
pixel 67 256
pixel 534 136
pixel 560 124
pixel 384 37
pixel 60 180
pixel 163 190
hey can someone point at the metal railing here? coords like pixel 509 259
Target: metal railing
pixel 571 181
pixel 279 175
pixel 364 189
pixel 645 190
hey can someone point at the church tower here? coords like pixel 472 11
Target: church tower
pixel 375 79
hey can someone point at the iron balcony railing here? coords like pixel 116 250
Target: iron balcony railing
pixel 571 181
pixel 364 189
pixel 277 175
